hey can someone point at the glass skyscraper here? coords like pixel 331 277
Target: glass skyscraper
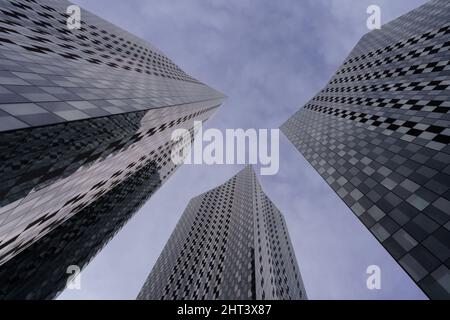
pixel 379 135
pixel 230 243
pixel 86 117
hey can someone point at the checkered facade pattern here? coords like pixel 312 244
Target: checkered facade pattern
pixel 230 243
pixel 379 135
pixel 86 118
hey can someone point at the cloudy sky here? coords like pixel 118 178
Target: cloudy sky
pixel 269 57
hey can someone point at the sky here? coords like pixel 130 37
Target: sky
pixel 269 57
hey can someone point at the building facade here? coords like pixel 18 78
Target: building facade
pixel 230 243
pixel 86 117
pixel 379 135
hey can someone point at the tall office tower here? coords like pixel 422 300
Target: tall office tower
pixel 86 117
pixel 230 243
pixel 378 133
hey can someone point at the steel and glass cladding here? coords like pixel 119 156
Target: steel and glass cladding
pixel 379 135
pixel 230 243
pixel 86 118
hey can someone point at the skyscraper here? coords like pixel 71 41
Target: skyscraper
pixel 379 135
pixel 230 243
pixel 86 117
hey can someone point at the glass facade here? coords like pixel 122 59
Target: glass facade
pixel 379 135
pixel 86 118
pixel 230 243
